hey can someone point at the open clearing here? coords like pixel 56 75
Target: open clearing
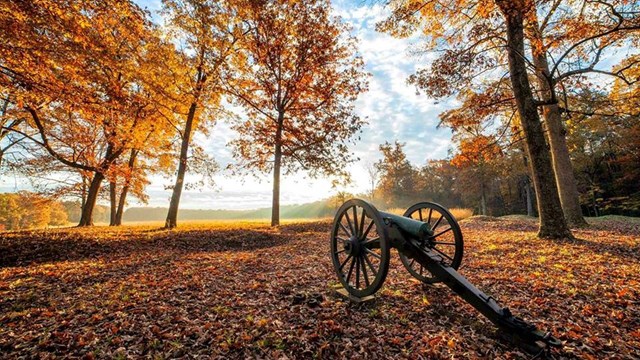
pixel 227 290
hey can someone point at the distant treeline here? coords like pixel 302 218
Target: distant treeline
pixel 318 209
pixel 26 210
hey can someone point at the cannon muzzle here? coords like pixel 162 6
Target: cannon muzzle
pixel 408 226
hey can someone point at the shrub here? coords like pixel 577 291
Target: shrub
pixel 461 213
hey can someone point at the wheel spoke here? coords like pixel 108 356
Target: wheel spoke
pixel 440 224
pixel 371 241
pixel 443 254
pixel 340 251
pixel 344 262
pixel 364 271
pixel 373 253
pixel 362 224
pixel 437 223
pixel 441 232
pixel 345 229
pixel 356 231
pixel 366 232
pixel 443 243
pixel 374 272
pixel 357 272
pixel 353 261
pixel 341 239
pixel 346 214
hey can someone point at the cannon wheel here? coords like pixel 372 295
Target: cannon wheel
pixel 447 240
pixel 360 248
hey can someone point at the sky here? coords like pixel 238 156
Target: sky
pixel 391 107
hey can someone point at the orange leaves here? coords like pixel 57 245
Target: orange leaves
pixel 298 85
pixel 476 151
pixel 84 310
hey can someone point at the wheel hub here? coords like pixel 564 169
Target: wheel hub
pixel 353 247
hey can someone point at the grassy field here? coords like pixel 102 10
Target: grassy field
pixel 225 289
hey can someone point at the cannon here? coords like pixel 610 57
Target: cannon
pixel 430 244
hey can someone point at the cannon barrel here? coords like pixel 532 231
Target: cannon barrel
pixel 414 228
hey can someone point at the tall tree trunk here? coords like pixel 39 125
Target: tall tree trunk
pixel 2 112
pixel 552 221
pixel 86 218
pixel 527 186
pixel 83 195
pixel 125 188
pixel 483 203
pixel 112 202
pixel 277 161
pixel 529 197
pixel 172 216
pixel 556 133
pixel 121 202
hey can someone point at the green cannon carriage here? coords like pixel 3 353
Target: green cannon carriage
pixel 430 244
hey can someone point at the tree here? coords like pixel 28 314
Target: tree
pixel 25 210
pixel 298 90
pixel 604 142
pixel 474 162
pixel 552 221
pixel 473 36
pixel 437 182
pixel 8 123
pixel 74 69
pixel 374 176
pixel 570 41
pixel 208 31
pixel 397 185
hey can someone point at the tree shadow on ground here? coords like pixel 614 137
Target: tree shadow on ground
pixel 25 248
pixel 619 250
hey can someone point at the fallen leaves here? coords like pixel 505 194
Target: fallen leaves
pixel 238 291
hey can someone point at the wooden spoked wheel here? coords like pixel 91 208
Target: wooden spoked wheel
pixel 359 248
pixel 446 240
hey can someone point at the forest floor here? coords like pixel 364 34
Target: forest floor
pixel 227 290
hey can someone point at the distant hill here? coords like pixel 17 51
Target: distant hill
pixel 318 209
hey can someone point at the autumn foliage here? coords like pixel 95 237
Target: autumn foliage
pixel 299 94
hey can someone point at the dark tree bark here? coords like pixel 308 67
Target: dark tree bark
pixel 552 222
pixel 83 192
pixel 86 219
pixel 172 216
pixel 113 198
pixel 125 189
pixel 277 162
pixel 529 197
pixel 556 133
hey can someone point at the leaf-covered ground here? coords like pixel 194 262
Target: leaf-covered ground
pixel 245 291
